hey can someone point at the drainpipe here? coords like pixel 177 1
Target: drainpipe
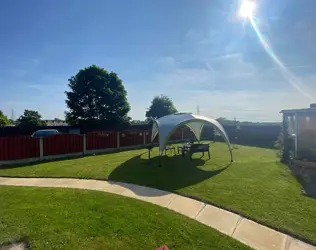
pixel 296 134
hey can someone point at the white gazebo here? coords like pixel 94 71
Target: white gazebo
pixel 166 125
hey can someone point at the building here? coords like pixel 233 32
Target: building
pixel 55 122
pixel 299 125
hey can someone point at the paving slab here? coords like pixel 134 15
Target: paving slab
pixel 4 179
pixel 39 182
pixel 15 182
pixel 258 236
pixel 117 187
pixel 136 192
pixel 186 206
pixel 93 185
pixel 299 245
pixel 219 219
pixel 152 195
pixel 63 182
pixel 161 198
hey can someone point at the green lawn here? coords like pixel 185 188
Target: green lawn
pixel 256 185
pixel 76 219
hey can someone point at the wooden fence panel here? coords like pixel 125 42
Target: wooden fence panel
pixel 131 138
pixel 18 147
pixel 101 140
pixel 62 144
pixel 147 136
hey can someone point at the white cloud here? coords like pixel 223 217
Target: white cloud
pixel 227 86
pixel 244 105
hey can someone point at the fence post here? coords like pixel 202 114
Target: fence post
pixel 118 139
pixel 84 144
pixel 41 145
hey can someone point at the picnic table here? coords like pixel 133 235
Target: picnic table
pixel 184 148
pixel 168 147
pixel 200 148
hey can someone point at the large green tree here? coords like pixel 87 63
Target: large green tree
pixel 30 118
pixel 160 106
pixel 96 95
pixel 3 119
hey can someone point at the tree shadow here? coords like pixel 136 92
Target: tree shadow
pixel 177 172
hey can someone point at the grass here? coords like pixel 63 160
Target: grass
pixel 256 185
pixel 76 219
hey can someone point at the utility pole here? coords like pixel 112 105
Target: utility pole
pixel 12 115
pixel 198 110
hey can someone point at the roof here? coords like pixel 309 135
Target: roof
pixel 293 111
pixel 43 130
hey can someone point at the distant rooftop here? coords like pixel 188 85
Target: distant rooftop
pixel 311 109
pixel 55 122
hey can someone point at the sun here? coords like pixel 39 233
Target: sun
pixel 247 9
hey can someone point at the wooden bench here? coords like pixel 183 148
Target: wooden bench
pixel 199 148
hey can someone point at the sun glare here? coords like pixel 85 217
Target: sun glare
pixel 247 8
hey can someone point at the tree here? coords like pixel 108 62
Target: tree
pixel 160 106
pixel 30 118
pixel 4 120
pixel 96 95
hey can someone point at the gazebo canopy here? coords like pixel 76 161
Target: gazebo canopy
pixel 166 125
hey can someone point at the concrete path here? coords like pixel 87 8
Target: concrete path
pixel 234 225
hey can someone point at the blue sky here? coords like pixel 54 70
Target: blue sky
pixel 196 52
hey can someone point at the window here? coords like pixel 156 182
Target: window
pixel 307 121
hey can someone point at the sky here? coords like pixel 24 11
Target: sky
pixel 199 53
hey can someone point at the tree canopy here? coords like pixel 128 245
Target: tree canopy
pixel 30 118
pixel 96 95
pixel 4 120
pixel 161 106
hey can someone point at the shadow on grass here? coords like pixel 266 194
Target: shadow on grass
pixel 176 172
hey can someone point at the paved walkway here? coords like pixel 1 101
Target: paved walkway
pixel 234 225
